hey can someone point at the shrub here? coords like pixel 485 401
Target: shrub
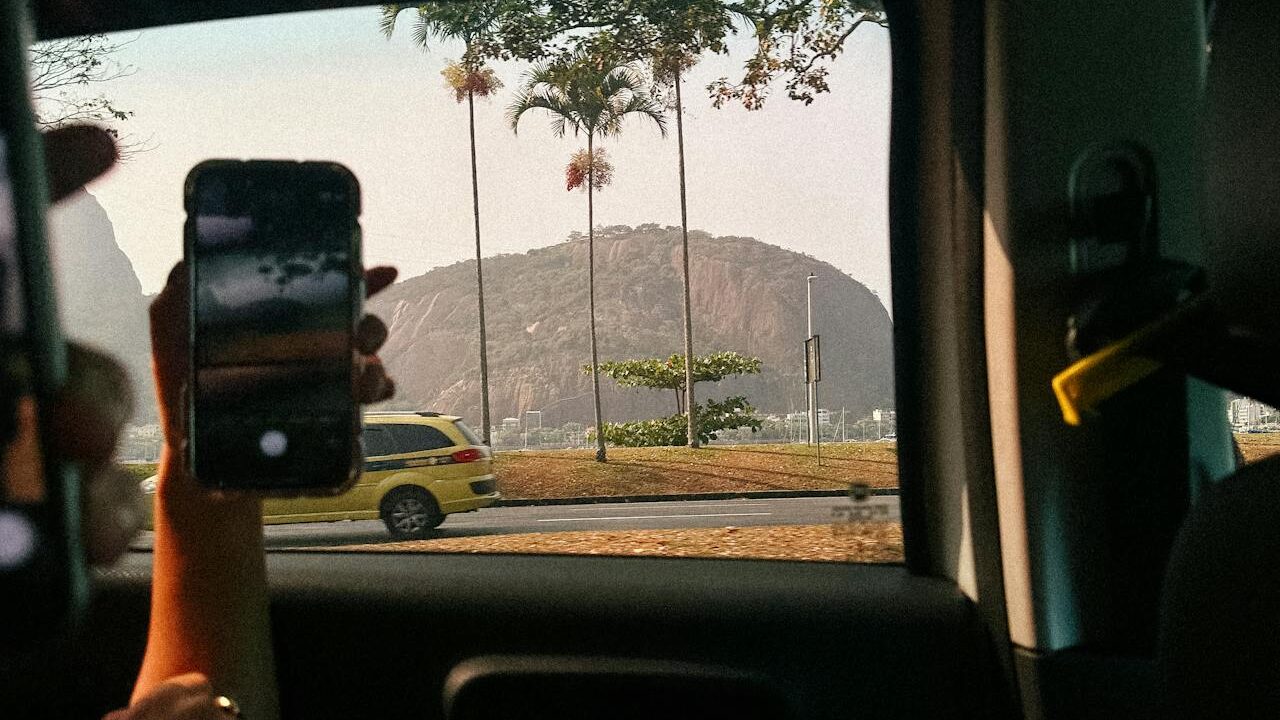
pixel 713 417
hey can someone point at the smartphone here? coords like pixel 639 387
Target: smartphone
pixel 43 571
pixel 276 290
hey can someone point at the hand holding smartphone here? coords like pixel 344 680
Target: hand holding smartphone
pixel 276 283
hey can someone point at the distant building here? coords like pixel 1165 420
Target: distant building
pixel 824 416
pixel 1246 412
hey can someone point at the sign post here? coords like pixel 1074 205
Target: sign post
pixel 812 375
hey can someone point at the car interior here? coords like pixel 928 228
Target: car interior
pixel 1069 183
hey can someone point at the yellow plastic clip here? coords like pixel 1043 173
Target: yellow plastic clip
pixel 1093 379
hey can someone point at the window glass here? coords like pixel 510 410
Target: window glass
pixel 378 441
pixel 784 188
pixel 416 438
pixel 468 433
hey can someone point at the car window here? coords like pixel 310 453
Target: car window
pixel 416 438
pixel 378 440
pixel 1255 427
pixel 468 433
pixel 783 208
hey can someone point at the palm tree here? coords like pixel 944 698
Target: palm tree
pixel 592 98
pixel 469 78
pixel 668 66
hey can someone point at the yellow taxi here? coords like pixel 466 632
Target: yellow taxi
pixel 419 467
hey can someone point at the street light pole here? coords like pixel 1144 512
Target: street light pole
pixel 810 387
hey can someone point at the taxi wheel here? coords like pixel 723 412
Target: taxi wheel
pixel 410 512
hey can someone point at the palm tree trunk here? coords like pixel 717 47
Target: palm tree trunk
pixel 684 245
pixel 591 298
pixel 484 349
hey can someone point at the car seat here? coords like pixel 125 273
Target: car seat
pixel 1219 632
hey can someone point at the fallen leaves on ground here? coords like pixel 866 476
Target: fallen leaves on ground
pixel 835 542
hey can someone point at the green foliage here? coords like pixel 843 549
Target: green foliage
pixel 714 417
pixel 585 95
pixel 796 40
pixel 476 24
pixel 669 374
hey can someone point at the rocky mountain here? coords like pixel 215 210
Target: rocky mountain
pixel 747 296
pixel 99 296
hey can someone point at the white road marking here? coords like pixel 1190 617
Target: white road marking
pixel 652 517
pixel 619 506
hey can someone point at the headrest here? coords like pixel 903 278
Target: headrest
pixel 1220 605
pixel 1242 166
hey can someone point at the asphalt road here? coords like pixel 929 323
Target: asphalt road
pixel 596 516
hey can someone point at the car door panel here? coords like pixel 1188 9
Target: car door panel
pixel 374 635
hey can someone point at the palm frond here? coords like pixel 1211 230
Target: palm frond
pixel 624 78
pixel 644 106
pixel 543 74
pixel 424 28
pixel 585 97
pixel 544 99
pixel 387 24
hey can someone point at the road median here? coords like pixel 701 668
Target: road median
pixel 682 497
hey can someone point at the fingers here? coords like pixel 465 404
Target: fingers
pixel 376 279
pixel 374 385
pixel 92 409
pixel 175 286
pixel 370 334
pixel 185 697
pixel 169 338
pixel 112 514
pixel 76 154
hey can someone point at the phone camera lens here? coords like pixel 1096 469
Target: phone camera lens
pixel 273 443
pixel 17 539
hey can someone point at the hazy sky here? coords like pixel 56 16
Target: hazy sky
pixel 329 86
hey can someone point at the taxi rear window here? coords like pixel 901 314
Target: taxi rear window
pixel 467 433
pixel 415 438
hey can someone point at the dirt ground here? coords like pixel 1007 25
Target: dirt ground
pixel 1258 446
pixel 722 468
pixel 837 542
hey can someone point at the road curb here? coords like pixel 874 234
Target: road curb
pixel 745 495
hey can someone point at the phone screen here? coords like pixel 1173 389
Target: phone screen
pixel 273 256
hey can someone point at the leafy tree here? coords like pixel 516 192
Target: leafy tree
pixel 670 373
pixel 61 70
pixel 796 40
pixel 716 416
pixel 473 23
pixel 63 73
pixel 591 98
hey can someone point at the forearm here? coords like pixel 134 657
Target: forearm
pixel 209 605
